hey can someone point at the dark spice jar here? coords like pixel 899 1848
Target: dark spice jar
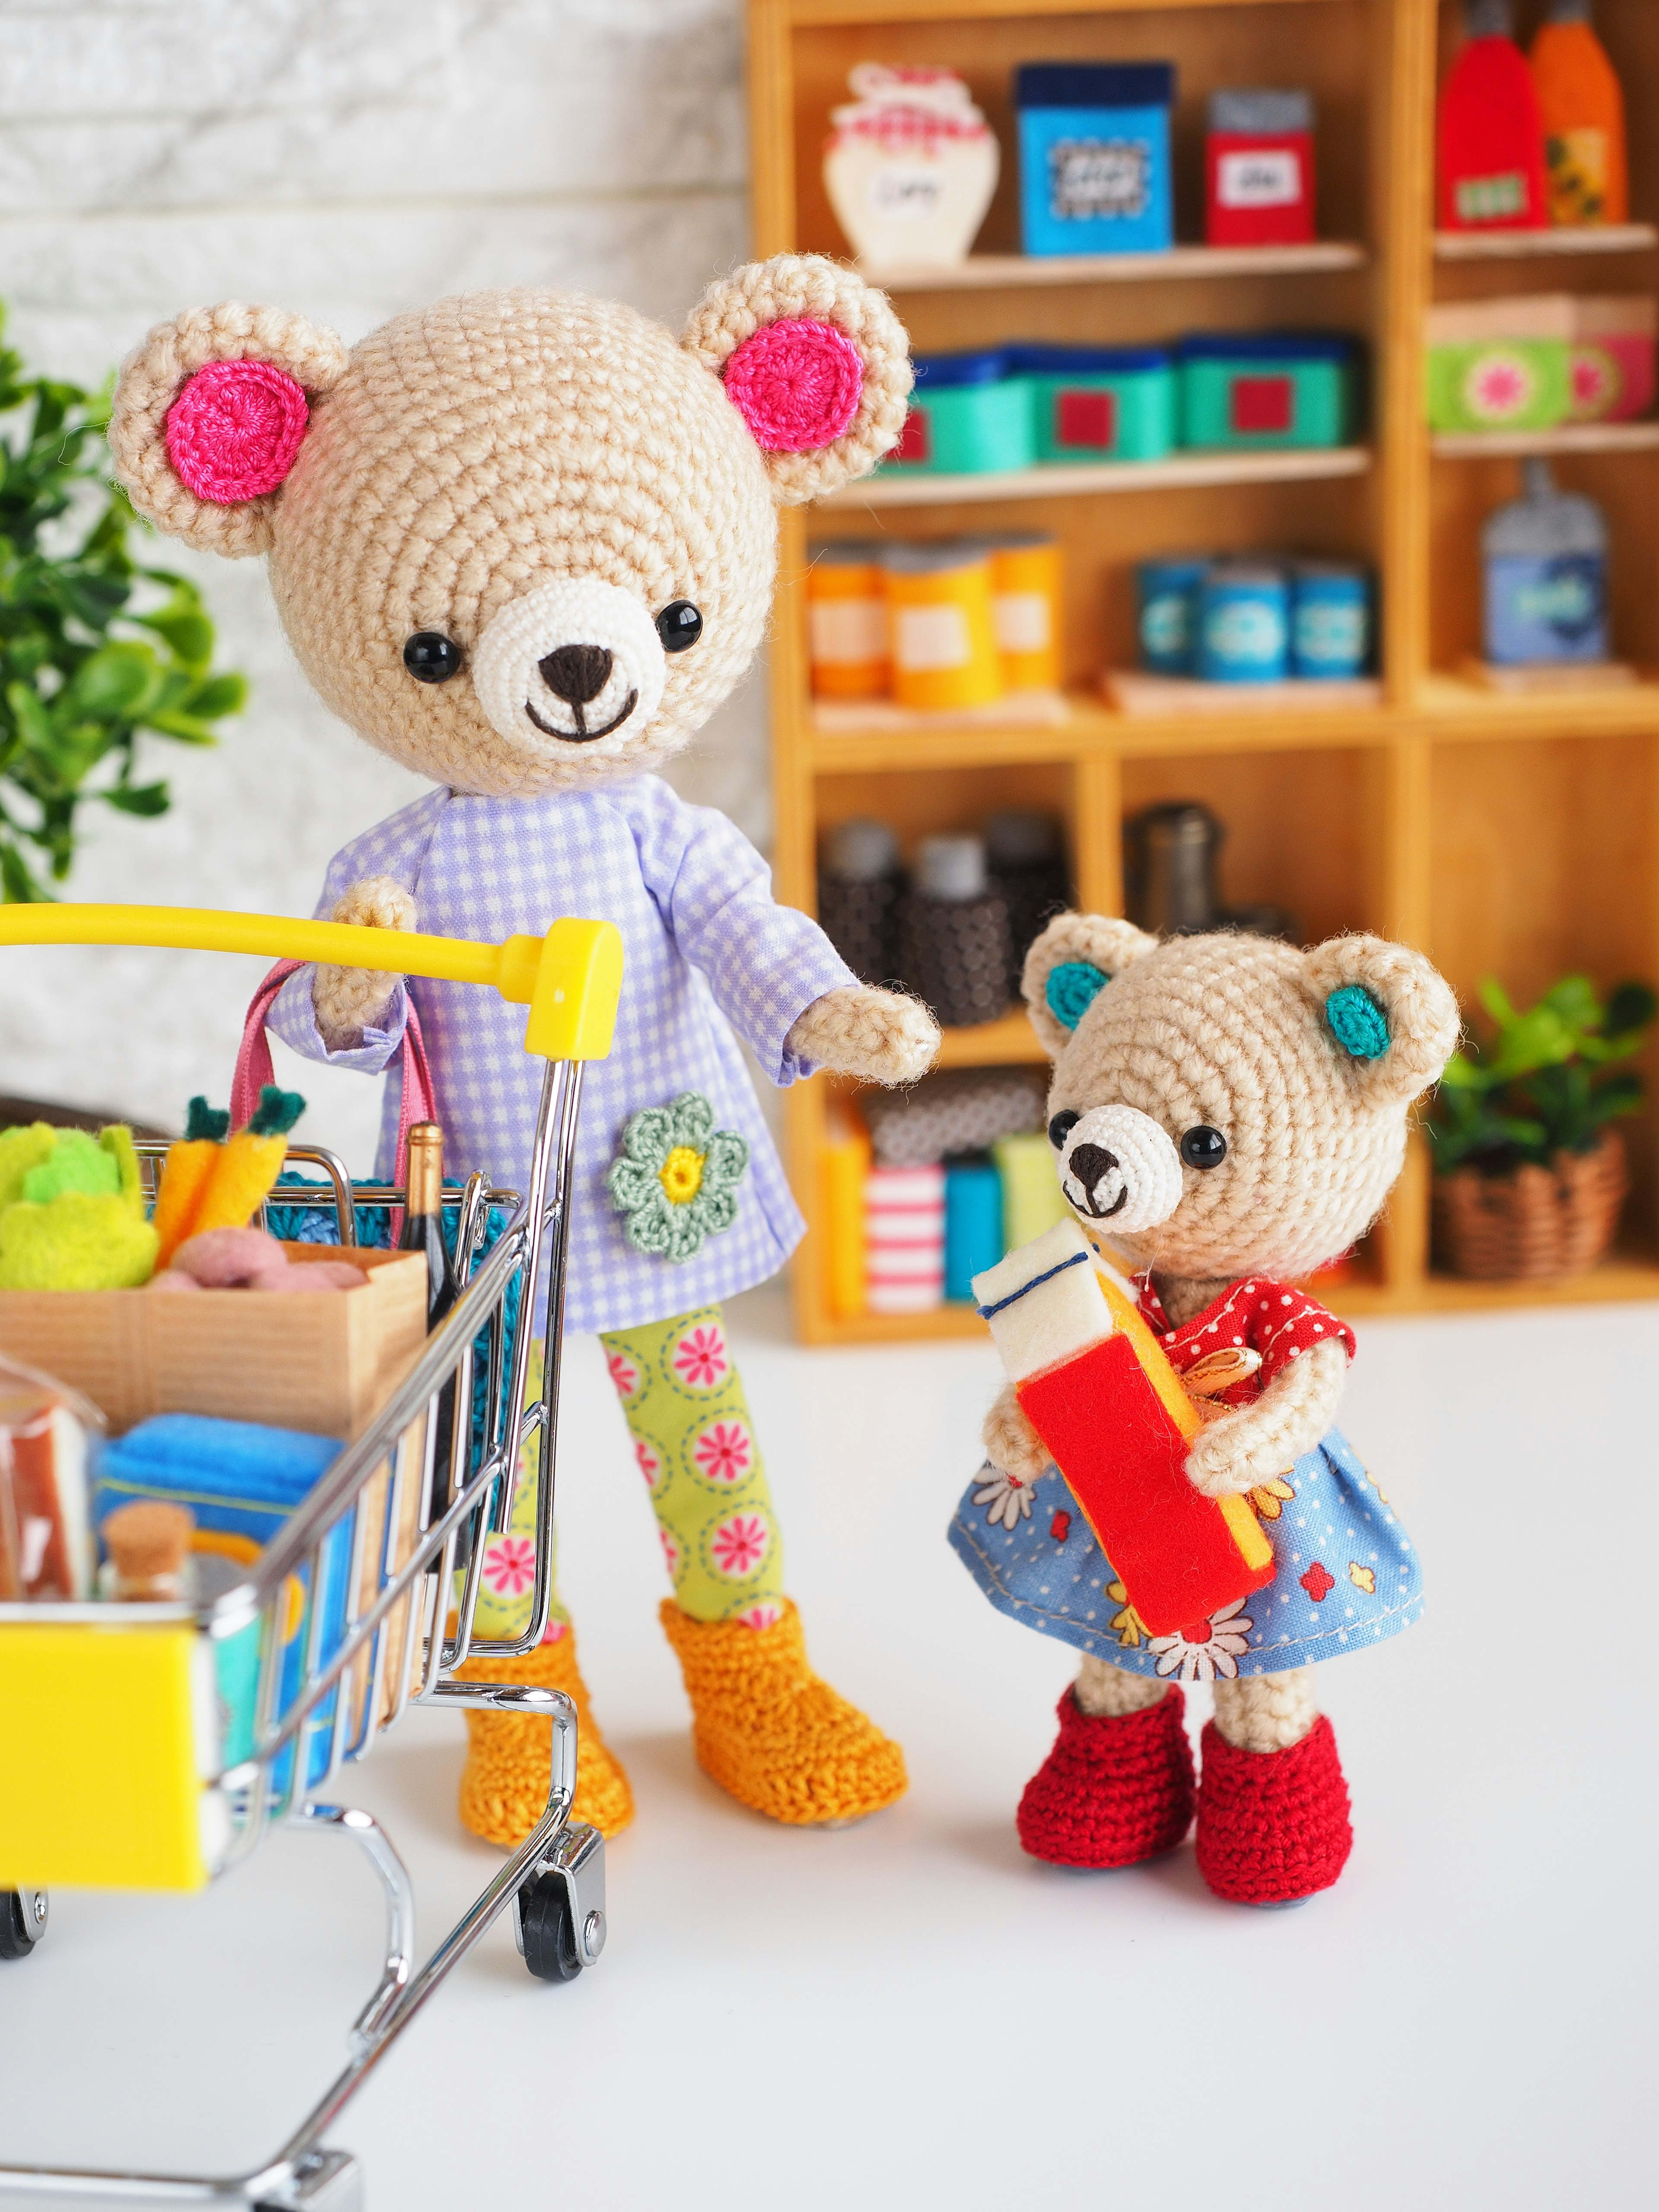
pixel 1027 864
pixel 861 884
pixel 955 950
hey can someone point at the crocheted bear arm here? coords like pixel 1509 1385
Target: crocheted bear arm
pixel 815 361
pixel 1012 1444
pixel 349 1000
pixel 1260 1442
pixel 880 1036
pixel 208 416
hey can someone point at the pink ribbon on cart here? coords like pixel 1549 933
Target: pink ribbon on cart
pixel 418 1102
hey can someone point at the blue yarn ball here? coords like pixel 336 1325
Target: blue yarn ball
pixel 1073 988
pixel 1357 1022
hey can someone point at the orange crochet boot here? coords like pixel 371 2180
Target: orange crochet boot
pixel 509 1756
pixel 767 1730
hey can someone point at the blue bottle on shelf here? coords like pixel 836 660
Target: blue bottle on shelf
pixel 1547 577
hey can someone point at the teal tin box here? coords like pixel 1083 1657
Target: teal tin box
pixel 1099 403
pixel 1094 156
pixel 1258 392
pixel 967 417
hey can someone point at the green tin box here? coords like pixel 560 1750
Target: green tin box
pixel 968 416
pixel 1099 404
pixel 1278 389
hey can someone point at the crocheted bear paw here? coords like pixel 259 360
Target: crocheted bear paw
pixel 879 1036
pixel 509 1756
pixel 771 1732
pixel 1113 1790
pixel 1272 1825
pixel 349 1000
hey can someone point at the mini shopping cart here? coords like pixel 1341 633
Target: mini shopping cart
pixel 116 1766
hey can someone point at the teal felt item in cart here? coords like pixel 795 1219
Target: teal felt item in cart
pixel 1262 392
pixel 240 1479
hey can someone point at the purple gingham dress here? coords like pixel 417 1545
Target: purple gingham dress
pixel 704 945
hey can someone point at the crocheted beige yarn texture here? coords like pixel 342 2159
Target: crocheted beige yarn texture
pixel 463 456
pixel 1230 1031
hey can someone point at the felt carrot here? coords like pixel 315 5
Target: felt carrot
pixel 249 1163
pixel 185 1176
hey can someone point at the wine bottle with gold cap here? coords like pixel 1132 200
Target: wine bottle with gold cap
pixel 423 1232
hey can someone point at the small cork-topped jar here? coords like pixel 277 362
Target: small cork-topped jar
pixel 861 883
pixel 148 1547
pixel 955 950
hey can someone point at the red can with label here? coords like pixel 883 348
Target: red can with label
pixel 1259 163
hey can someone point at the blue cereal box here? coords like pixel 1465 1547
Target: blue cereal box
pixel 1094 156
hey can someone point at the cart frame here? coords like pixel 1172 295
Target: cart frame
pixel 401 1644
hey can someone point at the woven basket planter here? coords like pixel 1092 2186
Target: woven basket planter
pixel 1536 1223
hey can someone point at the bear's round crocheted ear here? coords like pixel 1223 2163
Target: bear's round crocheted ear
pixel 1070 965
pixel 210 415
pixel 814 361
pixel 1385 1011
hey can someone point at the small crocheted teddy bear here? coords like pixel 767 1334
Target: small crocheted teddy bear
pixel 525 542
pixel 1228 1115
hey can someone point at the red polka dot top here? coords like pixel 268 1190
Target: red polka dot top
pixel 1270 1318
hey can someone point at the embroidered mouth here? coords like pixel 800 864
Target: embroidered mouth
pixel 581 735
pixel 1096 1213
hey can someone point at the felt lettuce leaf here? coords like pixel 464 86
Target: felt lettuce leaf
pixel 72 1213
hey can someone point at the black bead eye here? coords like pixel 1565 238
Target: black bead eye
pixel 432 657
pixel 1061 1128
pixel 1203 1147
pixel 678 625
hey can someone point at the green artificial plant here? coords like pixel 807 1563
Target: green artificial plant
pixel 95 647
pixel 1546 1083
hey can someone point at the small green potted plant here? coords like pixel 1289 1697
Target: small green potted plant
pixel 1530 1174
pixel 95 648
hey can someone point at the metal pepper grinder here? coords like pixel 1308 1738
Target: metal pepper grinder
pixel 1171 868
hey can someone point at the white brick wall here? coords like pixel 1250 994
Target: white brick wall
pixel 349 158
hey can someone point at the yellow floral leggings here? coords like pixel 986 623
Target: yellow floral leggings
pixel 695 1442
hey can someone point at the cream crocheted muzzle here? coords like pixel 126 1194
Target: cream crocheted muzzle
pixel 577 662
pixel 1120 1167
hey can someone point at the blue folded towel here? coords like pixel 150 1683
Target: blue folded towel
pixel 240 1479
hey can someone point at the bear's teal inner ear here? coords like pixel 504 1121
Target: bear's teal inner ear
pixel 1071 989
pixel 1357 1022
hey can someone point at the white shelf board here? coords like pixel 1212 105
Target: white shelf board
pixel 1523 245
pixel 1064 479
pixel 993 271
pixel 1565 438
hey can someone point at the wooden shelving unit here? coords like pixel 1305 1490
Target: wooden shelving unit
pixel 1511 836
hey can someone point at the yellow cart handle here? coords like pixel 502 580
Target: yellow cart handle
pixel 570 979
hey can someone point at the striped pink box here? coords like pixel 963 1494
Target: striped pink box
pixel 904 1239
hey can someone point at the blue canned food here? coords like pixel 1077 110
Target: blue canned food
pixel 1330 619
pixel 1166 612
pixel 1244 625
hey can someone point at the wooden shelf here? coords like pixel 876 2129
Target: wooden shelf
pixel 1516 836
pixel 1010 1040
pixel 1565 438
pixel 1524 244
pixel 983 272
pixel 1070 480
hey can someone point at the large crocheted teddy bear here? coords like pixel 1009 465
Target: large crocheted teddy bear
pixel 1229 1115
pixel 524 543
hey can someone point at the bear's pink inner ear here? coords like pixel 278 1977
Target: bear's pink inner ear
pixel 234 430
pixel 797 384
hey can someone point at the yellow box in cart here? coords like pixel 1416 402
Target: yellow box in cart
pixel 102 1737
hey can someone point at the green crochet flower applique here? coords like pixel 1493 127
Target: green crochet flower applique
pixel 676 1178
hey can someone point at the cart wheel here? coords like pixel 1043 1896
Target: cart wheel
pixel 22 1921
pixel 550 1932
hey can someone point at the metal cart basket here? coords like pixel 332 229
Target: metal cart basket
pixel 112 1716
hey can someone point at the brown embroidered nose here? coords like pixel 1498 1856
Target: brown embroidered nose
pixel 576 672
pixel 1089 1167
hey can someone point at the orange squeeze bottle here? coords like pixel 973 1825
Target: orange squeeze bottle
pixel 1583 108
pixel 1093 1381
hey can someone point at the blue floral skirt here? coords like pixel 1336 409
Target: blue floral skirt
pixel 1348 1576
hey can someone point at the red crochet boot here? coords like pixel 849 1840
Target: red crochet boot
pixel 1272 1825
pixel 1111 1791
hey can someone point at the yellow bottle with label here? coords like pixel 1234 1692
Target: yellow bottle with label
pixel 943 625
